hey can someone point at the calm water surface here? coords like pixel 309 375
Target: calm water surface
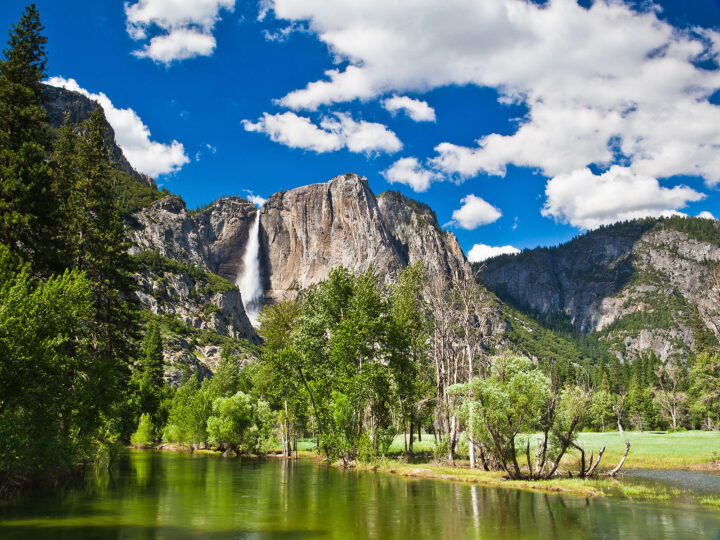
pixel 169 495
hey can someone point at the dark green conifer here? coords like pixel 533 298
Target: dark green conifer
pixel 26 202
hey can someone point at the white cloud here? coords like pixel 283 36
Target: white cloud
pixel 587 201
pixel 602 85
pixel 185 27
pixel 132 135
pixel 408 171
pixel 705 215
pixel 362 136
pixel 333 133
pixel 475 212
pixel 179 44
pixel 416 109
pixel 481 252
pixel 257 200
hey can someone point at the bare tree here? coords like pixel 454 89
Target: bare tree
pixel 619 410
pixel 668 395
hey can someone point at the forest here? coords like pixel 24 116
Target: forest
pixel 351 363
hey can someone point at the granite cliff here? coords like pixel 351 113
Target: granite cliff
pixel 642 286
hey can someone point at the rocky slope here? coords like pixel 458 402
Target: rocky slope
pixel 77 107
pixel 640 286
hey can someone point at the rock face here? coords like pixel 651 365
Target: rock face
pixel 305 232
pixel 214 238
pixel 60 102
pixel 640 285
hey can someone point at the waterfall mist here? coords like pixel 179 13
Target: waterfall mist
pixel 250 282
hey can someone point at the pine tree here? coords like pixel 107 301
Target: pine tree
pixel 225 381
pixel 26 202
pixel 151 379
pixel 98 246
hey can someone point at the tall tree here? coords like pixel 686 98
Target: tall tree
pixel 26 202
pixel 99 248
pixel 151 380
pixel 407 338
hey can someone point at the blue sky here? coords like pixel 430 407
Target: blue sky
pixel 533 121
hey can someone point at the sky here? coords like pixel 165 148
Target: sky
pixel 521 123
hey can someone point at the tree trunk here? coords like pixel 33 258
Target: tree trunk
pixel 412 435
pixel 616 469
pixel 453 439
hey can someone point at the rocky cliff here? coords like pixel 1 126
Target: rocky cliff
pixel 61 103
pixel 641 286
pixel 304 233
pixel 307 231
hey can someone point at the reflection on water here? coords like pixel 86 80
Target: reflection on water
pixel 701 483
pixel 166 495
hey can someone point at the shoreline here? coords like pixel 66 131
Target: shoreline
pixel 601 486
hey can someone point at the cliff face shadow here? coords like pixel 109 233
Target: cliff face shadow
pixel 567 281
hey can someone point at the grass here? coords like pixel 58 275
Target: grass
pixel 657 449
pixel 711 501
pixel 585 488
pixel 683 450
pixel 648 450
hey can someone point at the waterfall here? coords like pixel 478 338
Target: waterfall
pixel 250 282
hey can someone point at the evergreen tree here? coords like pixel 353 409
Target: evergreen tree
pixel 226 379
pixel 98 246
pixel 26 202
pixel 151 382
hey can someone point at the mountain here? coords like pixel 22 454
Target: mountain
pixel 641 286
pixel 628 289
pixel 309 230
pixel 304 233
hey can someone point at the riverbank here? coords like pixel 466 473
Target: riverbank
pixel 600 486
pixel 690 450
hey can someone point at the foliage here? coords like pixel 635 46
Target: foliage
pixel 239 422
pixel 705 390
pixel 54 396
pixel 132 194
pixel 27 213
pixel 189 412
pixel 145 433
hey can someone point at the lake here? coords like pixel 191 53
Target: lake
pixel 151 494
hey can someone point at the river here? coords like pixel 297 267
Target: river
pixel 152 494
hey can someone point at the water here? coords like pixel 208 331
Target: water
pixel 166 495
pixel 250 282
pixel 700 483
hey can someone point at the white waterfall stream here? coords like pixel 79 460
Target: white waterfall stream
pixel 250 281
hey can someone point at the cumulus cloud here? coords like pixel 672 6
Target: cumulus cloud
pixel 586 200
pixel 416 109
pixel 481 252
pixel 705 215
pixel 184 29
pixel 132 135
pixel 257 200
pixel 474 212
pixel 333 133
pixel 605 85
pixel 408 171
